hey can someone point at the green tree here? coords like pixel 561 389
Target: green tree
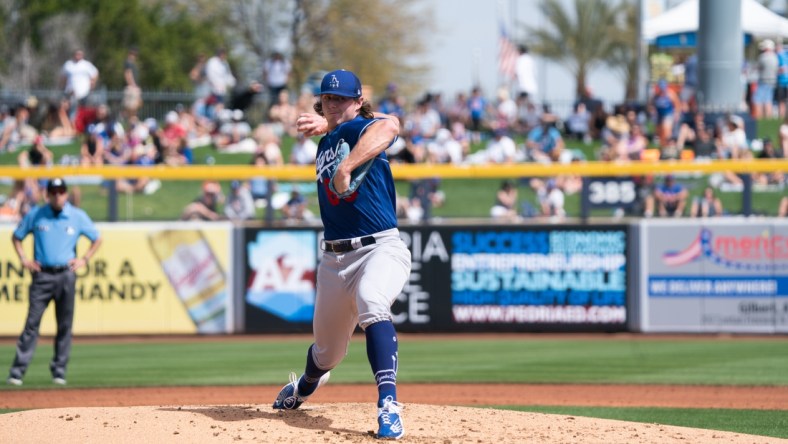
pixel 168 42
pixel 581 41
pixel 381 42
pixel 167 35
pixel 26 34
pixel 258 28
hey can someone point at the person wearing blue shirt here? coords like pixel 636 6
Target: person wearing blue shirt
pixel 781 93
pixel 544 142
pixel 670 197
pixel 56 228
pixel 391 103
pixel 477 106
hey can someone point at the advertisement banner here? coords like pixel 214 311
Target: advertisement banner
pixel 145 279
pixel 719 276
pixel 279 290
pixel 463 279
pixel 424 303
pixel 555 278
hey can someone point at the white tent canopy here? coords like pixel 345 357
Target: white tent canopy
pixel 756 20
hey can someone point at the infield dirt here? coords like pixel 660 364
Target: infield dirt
pixel 340 413
pixel 344 413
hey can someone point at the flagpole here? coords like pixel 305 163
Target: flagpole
pixel 515 39
pixel 543 66
pixel 475 74
pixel 499 76
pixel 513 19
pixel 507 55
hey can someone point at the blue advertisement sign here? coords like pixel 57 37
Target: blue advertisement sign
pixel 537 278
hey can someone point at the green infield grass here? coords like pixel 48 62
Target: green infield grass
pixel 509 360
pixel 755 422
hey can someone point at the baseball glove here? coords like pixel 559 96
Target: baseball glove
pixel 356 176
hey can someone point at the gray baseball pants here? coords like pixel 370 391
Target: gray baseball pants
pixel 357 287
pixel 45 287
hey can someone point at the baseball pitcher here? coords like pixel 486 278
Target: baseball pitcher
pixel 365 264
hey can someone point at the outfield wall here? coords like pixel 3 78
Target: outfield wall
pixel 725 275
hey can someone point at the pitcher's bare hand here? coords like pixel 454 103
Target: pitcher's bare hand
pixel 311 124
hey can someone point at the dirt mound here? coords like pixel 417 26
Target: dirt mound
pixel 333 423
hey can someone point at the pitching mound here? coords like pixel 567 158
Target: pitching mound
pixel 332 423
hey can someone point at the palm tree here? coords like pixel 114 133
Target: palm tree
pixel 590 37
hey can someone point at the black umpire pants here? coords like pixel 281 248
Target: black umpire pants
pixel 44 288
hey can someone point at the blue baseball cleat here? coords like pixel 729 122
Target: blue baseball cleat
pixel 389 421
pixel 289 399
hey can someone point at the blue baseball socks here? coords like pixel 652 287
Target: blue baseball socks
pixel 308 381
pixel 383 358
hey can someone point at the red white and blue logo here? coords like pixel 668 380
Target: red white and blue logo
pixel 757 253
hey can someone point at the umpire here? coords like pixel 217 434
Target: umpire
pixel 56 227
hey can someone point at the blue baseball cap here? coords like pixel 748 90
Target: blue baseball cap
pixel 341 83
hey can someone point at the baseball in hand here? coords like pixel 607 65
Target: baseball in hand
pixel 311 124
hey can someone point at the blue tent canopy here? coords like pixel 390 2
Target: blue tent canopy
pixel 686 40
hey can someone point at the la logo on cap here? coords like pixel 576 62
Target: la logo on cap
pixel 334 83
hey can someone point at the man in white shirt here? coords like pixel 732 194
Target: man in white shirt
pixel 77 78
pixel 219 76
pixel 525 69
pixel 551 199
pixel 501 149
pixel 444 149
pixel 276 73
pixel 304 150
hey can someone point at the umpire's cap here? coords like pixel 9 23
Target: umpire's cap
pixel 56 184
pixel 341 83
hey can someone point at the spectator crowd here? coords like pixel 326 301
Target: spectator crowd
pixel 510 128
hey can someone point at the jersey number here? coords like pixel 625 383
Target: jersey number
pixel 333 199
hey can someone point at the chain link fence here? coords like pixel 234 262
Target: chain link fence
pixel 155 104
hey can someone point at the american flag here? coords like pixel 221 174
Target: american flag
pixel 507 55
